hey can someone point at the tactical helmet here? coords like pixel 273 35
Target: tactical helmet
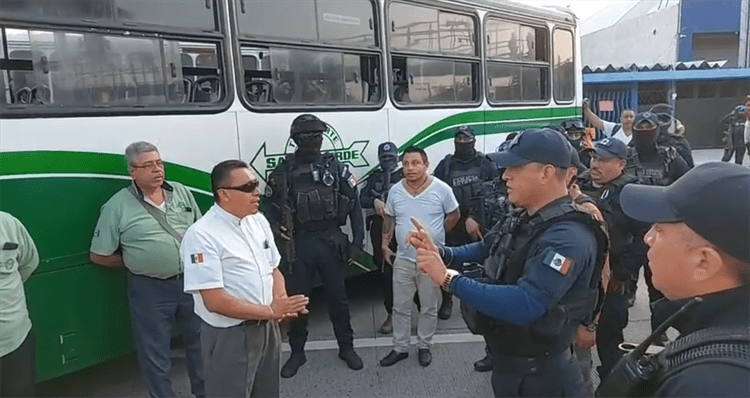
pixel 307 123
pixel 663 113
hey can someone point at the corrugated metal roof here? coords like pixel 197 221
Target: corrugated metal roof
pixel 692 65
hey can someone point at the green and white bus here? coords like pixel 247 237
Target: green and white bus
pixel 209 80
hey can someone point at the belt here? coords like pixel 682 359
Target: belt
pixel 175 277
pixel 254 322
pixel 531 365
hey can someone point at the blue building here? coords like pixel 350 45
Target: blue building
pixel 692 54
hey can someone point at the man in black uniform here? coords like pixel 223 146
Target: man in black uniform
pixel 652 164
pixel 542 269
pixel 464 171
pixel 575 131
pixel 627 252
pixel 734 135
pixel 373 196
pixel 321 193
pixel 698 247
pixel 672 133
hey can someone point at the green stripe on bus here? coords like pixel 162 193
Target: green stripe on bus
pixel 42 162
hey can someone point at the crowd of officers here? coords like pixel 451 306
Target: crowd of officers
pixel 554 229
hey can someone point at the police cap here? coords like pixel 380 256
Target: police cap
pixel 545 146
pixel 307 123
pixel 387 148
pixel 611 148
pixel 467 131
pixel 712 199
pixel 645 121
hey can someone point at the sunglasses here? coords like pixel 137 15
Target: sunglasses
pixel 248 187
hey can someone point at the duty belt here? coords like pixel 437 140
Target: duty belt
pixel 547 362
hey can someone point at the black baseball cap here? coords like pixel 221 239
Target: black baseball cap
pixel 544 146
pixel 611 148
pixel 387 148
pixel 713 199
pixel 467 131
pixel 645 121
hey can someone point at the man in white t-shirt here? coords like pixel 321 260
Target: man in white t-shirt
pixel 623 131
pixel 431 201
pixel 231 269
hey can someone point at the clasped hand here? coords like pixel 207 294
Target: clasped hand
pixel 428 257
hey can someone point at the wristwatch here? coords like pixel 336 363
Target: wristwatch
pixel 449 275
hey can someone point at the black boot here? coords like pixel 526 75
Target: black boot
pixel 353 361
pixel 292 364
pixel 484 364
pixel 446 306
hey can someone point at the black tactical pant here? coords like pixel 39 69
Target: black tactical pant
pixel 315 252
pixel 738 152
pixel 612 321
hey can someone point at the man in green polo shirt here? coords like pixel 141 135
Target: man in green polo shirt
pixel 140 228
pixel 18 259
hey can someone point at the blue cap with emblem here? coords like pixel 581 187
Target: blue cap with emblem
pixel 387 148
pixel 545 146
pixel 611 148
pixel 711 199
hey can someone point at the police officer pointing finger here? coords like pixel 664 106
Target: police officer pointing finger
pixel 542 269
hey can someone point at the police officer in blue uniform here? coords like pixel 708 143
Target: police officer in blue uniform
pixel 627 252
pixel 374 195
pixel 542 269
pixel 698 247
pixel 652 164
pixel 322 194
pixel 465 170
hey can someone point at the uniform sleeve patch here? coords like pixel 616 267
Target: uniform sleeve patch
pixel 196 258
pixel 352 181
pixel 558 262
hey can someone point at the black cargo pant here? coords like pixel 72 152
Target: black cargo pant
pixel 315 252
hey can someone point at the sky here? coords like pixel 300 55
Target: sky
pixel 582 8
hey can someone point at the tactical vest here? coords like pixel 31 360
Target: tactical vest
pixel 381 186
pixel 608 202
pixel 555 331
pixel 494 202
pixel 652 174
pixel 465 178
pixel 314 193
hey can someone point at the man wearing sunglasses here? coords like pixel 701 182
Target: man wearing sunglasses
pixel 232 270
pixel 140 228
pixel 322 193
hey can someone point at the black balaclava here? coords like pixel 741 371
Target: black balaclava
pixel 388 162
pixel 308 146
pixel 465 148
pixel 576 143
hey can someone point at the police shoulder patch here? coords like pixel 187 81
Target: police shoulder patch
pixel 558 262
pixel 196 258
pixel 352 181
pixel 268 191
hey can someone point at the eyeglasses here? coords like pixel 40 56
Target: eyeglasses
pixel 248 187
pixel 157 164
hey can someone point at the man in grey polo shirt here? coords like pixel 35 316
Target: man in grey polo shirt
pixel 140 228
pixel 232 270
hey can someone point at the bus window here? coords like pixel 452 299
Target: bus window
pixel 517 62
pixel 284 76
pixel 183 14
pixel 564 70
pixel 350 22
pixel 77 9
pixel 434 56
pixel 84 70
pixel 195 14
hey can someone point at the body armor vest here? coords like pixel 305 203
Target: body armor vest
pixel 314 192
pixel 607 200
pixel 652 173
pixel 465 178
pixel 555 331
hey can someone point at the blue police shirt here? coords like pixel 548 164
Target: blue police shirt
pixel 561 259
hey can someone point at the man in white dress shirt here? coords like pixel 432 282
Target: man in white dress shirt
pixel 231 268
